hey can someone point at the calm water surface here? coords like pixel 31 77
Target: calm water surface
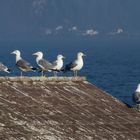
pixel 113 66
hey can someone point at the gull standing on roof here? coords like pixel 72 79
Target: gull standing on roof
pixel 76 65
pixel 136 96
pixel 4 68
pixel 43 64
pixel 58 64
pixel 21 63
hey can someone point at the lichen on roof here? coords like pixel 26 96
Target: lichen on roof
pixel 62 109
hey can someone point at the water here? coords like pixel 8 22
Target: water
pixel 114 66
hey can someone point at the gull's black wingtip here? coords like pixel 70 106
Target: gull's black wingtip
pixel 34 69
pixel 8 70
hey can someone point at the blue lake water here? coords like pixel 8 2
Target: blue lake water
pixel 113 66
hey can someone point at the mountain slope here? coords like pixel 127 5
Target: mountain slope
pixel 29 19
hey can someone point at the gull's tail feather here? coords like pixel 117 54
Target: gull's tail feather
pixel 56 70
pixel 7 70
pixel 66 68
pixel 34 69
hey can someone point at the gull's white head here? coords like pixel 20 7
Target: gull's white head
pixel 38 54
pixel 80 54
pixel 60 56
pixel 16 52
pixel 138 88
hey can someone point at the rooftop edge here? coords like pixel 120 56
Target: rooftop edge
pixel 43 79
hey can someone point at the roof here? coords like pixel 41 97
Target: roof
pixel 62 109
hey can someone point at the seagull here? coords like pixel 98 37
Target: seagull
pixel 4 68
pixel 21 63
pixel 58 64
pixel 136 96
pixel 76 65
pixel 42 63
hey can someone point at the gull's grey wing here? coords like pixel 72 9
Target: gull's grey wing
pixel 2 67
pixel 70 66
pixel 55 63
pixel 136 97
pixel 24 65
pixel 44 64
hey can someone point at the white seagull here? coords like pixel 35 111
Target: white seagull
pixel 43 64
pixel 76 65
pixel 4 68
pixel 136 95
pixel 58 64
pixel 21 63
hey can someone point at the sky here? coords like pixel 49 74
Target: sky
pixel 41 19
